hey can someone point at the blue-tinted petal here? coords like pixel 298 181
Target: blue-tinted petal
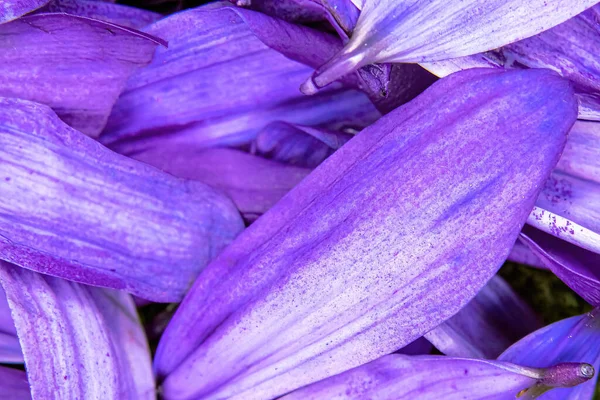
pixel 14 384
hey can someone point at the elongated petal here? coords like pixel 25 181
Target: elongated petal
pixel 581 157
pixel 10 349
pixel 14 384
pixel 13 9
pixel 115 13
pixel 224 77
pixel 415 31
pixel 76 210
pixel 397 377
pixel 577 267
pixel 521 254
pixel 78 341
pixel 575 339
pixel 341 270
pixel 496 318
pixel 76 65
pixel 253 183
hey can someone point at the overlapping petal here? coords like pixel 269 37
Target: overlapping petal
pixel 10 350
pixel 496 318
pixel 13 9
pixel 76 65
pixel 78 341
pixel 83 213
pixel 14 384
pixel 366 253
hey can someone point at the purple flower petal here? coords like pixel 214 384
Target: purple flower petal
pixel 521 254
pixel 418 31
pixel 14 384
pixel 224 77
pixel 417 347
pixel 410 206
pixel 581 157
pixel 496 318
pixel 13 9
pixel 76 65
pixel 114 13
pixel 253 183
pixel 78 341
pixel 398 377
pixel 10 349
pixel 83 213
pixel 575 339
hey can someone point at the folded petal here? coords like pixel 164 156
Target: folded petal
pixel 10 349
pixel 253 183
pixel 224 77
pixel 415 31
pixel 79 342
pixel 76 65
pixel 398 377
pixel 81 212
pixel 131 17
pixel 496 318
pixel 575 339
pixel 13 9
pixel 341 270
pixel 14 384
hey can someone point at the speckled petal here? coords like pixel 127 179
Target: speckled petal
pixel 13 9
pixel 496 318
pixel 76 65
pixel 415 31
pixel 79 342
pixel 365 254
pixel 575 339
pixel 77 210
pixel 397 377
pixel 253 183
pixel 10 349
pixel 227 73
pixel 14 384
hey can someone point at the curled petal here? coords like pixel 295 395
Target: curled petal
pixel 79 342
pixel 76 65
pixel 339 272
pixel 13 9
pixel 81 212
pixel 14 384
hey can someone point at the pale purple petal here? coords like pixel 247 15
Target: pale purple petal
pixel 581 157
pixel 76 65
pixel 78 341
pixel 115 13
pixel 13 9
pixel 253 183
pixel 416 31
pixel 575 339
pixel 81 212
pixel 14 384
pixel 10 349
pixel 398 377
pixel 227 73
pixel 366 253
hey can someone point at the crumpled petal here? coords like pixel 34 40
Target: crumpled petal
pixel 299 145
pixel 224 77
pixel 79 342
pixel 398 377
pixel 576 339
pixel 76 65
pixel 13 9
pixel 10 349
pixel 14 384
pixel 81 212
pixel 496 318
pixel 253 183
pixel 415 31
pixel 131 17
pixel 576 267
pixel 410 206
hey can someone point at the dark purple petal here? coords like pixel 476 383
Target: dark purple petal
pixel 575 339
pixel 14 384
pixel 13 9
pixel 79 342
pixel 417 347
pixel 398 377
pixel 577 267
pixel 223 78
pixel 115 13
pixel 521 254
pixel 366 254
pixel 496 318
pixel 81 212
pixel 253 183
pixel 10 349
pixel 422 31
pixel 76 65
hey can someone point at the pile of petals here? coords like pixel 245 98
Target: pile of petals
pixel 322 190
